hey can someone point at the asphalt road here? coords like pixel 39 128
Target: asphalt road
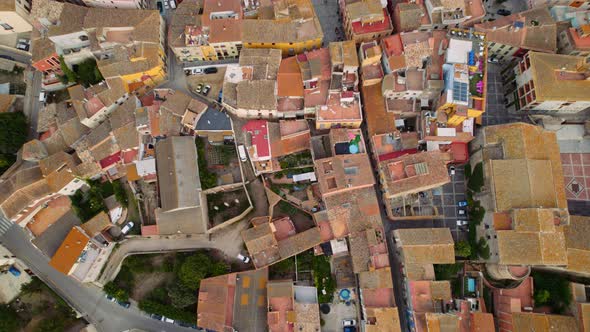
pixel 17 55
pixel 87 300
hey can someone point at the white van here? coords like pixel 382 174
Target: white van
pixel 242 153
pixel 172 4
pixel 42 97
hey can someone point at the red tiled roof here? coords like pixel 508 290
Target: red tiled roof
pixel 108 161
pixel 359 28
pixel 129 156
pixel 396 154
pixel 259 131
pixel 460 152
pixel 149 230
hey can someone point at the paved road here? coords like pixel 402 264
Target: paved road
pixel 32 104
pixel 17 55
pixel 88 300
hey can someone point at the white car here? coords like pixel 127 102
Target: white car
pixel 242 152
pixel 462 222
pixel 127 227
pixel 42 97
pixel 243 258
pixel 167 320
pixel 349 322
pixel 452 170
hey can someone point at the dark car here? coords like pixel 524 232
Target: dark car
pixel 206 89
pixel 183 324
pixel 503 12
pixel 124 304
pixel 159 5
pixel 350 329
pixel 210 70
pixel 156 316
pixel 2 56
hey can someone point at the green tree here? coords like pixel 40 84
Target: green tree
pixel 68 73
pixel 542 297
pixel 218 268
pixel 194 269
pixel 9 320
pixel 13 132
pixel 462 249
pixel 120 193
pixel 483 248
pixel 88 73
pixel 6 160
pixel 180 295
pixel 115 291
pixel 52 324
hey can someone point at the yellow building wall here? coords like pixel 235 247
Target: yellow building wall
pixel 297 48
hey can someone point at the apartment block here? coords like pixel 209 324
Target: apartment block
pixel 550 83
pixel 288 25
pixel 465 75
pixel 102 34
pixel 15 25
pixel 510 37
pixel 426 15
pixel 407 181
pixel 574 38
pixel 206 30
pixel 365 20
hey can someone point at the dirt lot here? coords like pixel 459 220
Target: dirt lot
pixel 149 281
pixel 214 80
pixel 39 305
pixel 224 213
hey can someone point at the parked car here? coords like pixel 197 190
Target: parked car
pixel 206 89
pixel 462 203
pixel 127 227
pixel 461 212
pixel 244 259
pixel 349 329
pixel 160 8
pixel 167 320
pixel 124 304
pixel 452 170
pixel 210 70
pixel 166 5
pixel 242 152
pixel 110 298
pixel 156 316
pixel 7 57
pixel 14 271
pixel 199 88
pixel 23 44
pixel 193 71
pixel 349 322
pixel 503 12
pixel 42 97
pixel 462 222
pixel 183 324
pixel 172 4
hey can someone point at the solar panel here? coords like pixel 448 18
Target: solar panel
pixel 460 91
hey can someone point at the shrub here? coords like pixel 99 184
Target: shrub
pixel 559 294
pixel 462 249
pixel 193 270
pixel 476 179
pixel 13 133
pixel 120 193
pixel 9 320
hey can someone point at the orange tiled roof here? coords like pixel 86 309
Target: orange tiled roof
pixel 68 252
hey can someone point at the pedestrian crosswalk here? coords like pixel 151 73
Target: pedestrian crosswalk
pixel 5 225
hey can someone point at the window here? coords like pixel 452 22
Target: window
pixel 83 38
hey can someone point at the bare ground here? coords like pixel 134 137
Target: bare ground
pixel 149 281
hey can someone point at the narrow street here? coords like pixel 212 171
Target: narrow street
pixel 88 300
